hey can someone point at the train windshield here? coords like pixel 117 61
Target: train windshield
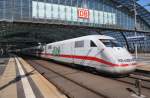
pixel 110 43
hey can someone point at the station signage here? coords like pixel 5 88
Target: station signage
pixel 42 10
pixel 83 13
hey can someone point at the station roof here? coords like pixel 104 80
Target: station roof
pixel 25 37
pixel 141 11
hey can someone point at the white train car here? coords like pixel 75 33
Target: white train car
pixel 100 52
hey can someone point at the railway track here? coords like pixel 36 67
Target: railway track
pixel 137 75
pixel 80 87
pixel 72 80
pixel 132 78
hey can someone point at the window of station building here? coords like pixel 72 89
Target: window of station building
pixel 74 2
pixel 55 1
pixel 68 2
pixel 92 44
pixel 25 3
pixel 79 2
pixel 91 4
pixel 79 44
pixel 2 4
pixel 96 4
pixel 1 9
pixel 49 1
pixel 62 2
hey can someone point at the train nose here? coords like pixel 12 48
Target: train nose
pixel 125 69
pixel 120 53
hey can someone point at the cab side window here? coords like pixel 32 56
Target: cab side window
pixel 92 44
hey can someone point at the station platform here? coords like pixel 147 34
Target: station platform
pixel 3 62
pixel 19 80
pixel 143 66
pixel 143 62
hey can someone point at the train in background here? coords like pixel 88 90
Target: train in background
pixel 99 52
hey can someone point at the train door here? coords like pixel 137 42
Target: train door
pixel 73 52
pixel 94 53
pixel 80 51
pixel 66 52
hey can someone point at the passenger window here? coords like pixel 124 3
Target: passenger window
pixel 92 44
pixel 79 44
pixel 49 47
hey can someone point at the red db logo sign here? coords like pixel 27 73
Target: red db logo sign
pixel 83 13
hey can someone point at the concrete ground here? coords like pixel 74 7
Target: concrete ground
pixel 19 80
pixel 143 62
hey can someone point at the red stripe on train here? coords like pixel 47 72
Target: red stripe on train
pixel 90 58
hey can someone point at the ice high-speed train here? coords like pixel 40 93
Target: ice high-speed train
pixel 100 52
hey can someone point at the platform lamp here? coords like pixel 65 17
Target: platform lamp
pixel 135 22
pixel 135 25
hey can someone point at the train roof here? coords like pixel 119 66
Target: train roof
pixel 90 37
